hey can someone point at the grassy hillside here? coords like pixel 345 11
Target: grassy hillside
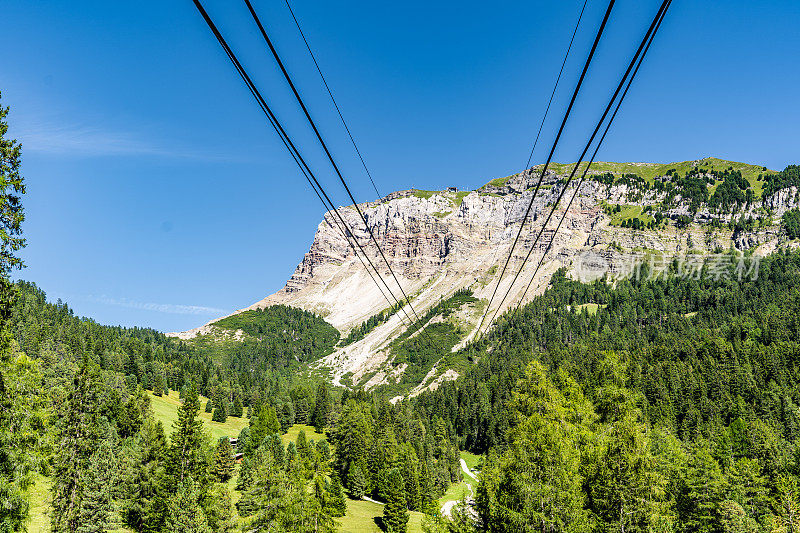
pixel 363 516
pixel 649 171
pixel 165 409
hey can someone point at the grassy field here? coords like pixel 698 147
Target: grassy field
pixel 591 308
pixel 630 211
pixel 311 434
pixel 457 491
pixel 471 459
pixel 39 520
pixel 165 409
pixel 361 518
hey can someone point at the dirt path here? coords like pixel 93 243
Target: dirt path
pixel 447 508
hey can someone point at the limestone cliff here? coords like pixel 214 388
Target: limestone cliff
pixel 442 241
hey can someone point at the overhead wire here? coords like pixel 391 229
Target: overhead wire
pixel 594 155
pixel 558 79
pixel 633 64
pixel 313 125
pixel 330 93
pixel 549 157
pixel 294 152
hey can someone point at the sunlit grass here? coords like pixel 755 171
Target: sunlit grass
pixel 165 409
pixel 361 518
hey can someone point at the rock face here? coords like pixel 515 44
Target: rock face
pixel 439 242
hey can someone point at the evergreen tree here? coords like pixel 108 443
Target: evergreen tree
pixel 537 480
pixel 705 485
pixel 219 510
pixel 303 449
pixel 301 411
pixel 355 481
pixel 338 503
pixel 427 502
pixel 210 406
pixel 411 478
pixel 265 423
pixel 159 385
pixel 287 416
pixel 223 460
pixel 220 413
pixel 395 512
pixel 323 406
pixel 81 429
pixel 141 486
pixel 99 482
pixel 237 409
pixel 185 514
pixel 18 405
pixel 187 457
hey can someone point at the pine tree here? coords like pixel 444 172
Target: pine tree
pixel 185 514
pixel 18 404
pixel 80 431
pixel 338 503
pixel 236 409
pixel 210 406
pixel 186 454
pixel 355 481
pixel 223 460
pixel 220 413
pixel 395 512
pixel 99 481
pixel 322 408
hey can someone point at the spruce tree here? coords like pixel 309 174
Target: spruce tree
pixel 338 503
pixel 271 424
pixel 302 445
pixel 17 405
pixel 287 416
pixel 301 411
pixel 99 481
pixel 185 514
pixel 395 511
pixel 411 480
pixel 210 406
pixel 186 456
pixel 223 460
pixel 220 413
pixel 80 430
pixel 323 406
pixel 236 409
pixel 141 486
pixel 355 481
pixel 427 502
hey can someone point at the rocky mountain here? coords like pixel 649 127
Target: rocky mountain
pixel 440 242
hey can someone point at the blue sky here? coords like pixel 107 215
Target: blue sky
pixel 158 196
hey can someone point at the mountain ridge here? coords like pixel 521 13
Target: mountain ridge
pixel 440 242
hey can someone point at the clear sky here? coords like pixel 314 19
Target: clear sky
pixel 158 196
